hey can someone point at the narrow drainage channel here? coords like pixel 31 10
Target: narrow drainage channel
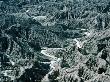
pixel 55 65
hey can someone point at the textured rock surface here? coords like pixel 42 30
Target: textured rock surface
pixel 54 41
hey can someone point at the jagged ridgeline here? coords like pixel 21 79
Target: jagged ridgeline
pixel 54 41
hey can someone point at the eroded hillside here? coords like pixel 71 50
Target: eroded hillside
pixel 54 40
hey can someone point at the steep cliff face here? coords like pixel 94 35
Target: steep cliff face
pixel 73 31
